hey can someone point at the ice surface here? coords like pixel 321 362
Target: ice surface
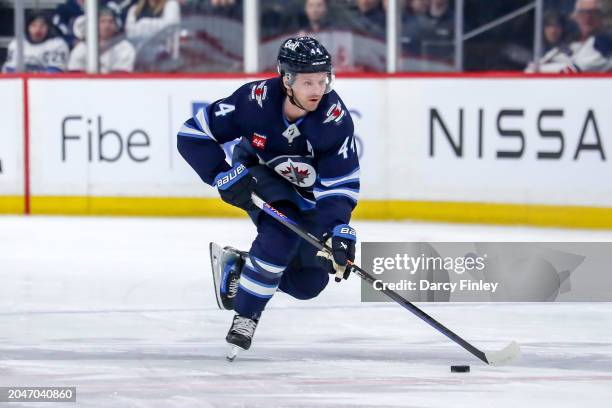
pixel 123 309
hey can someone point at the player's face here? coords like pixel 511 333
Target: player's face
pixel 308 89
pixel 38 30
pixel 107 27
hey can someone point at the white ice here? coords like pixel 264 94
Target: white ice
pixel 122 308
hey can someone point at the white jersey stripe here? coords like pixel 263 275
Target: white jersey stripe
pixel 351 177
pixel 336 191
pixel 202 119
pixel 268 267
pixel 188 131
pixel 256 287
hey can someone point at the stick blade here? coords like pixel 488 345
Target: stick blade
pixel 504 356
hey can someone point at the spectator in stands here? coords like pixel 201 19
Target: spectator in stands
pixel 223 3
pixel 120 7
pixel 555 30
pixel 66 17
pixel 43 50
pixel 226 8
pixel 438 31
pixel 317 16
pixel 369 17
pixel 418 7
pixel 275 19
pixel 148 18
pixel 116 53
pixel 442 17
pixel 414 25
pixel 590 52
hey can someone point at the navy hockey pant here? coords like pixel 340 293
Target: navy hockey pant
pixel 278 260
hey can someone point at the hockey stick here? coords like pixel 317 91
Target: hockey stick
pixel 501 357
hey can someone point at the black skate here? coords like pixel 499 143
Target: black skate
pixel 226 264
pixel 240 335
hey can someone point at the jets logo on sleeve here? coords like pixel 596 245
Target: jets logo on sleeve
pixel 335 113
pixel 259 93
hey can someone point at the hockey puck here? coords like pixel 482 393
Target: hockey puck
pixel 460 369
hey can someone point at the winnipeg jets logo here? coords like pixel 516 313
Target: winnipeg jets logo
pixel 343 245
pixel 335 113
pixel 299 173
pixel 259 93
pixel 291 133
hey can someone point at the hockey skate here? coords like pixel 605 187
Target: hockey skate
pixel 226 264
pixel 240 335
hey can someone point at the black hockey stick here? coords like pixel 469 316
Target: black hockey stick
pixel 501 357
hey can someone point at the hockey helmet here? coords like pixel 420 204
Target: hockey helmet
pixel 304 55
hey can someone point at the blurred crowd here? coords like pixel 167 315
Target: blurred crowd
pixel 128 32
pixel 579 43
pixel 207 35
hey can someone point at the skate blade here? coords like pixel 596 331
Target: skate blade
pixel 232 353
pixel 215 259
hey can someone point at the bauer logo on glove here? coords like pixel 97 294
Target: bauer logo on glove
pixel 235 187
pixel 226 179
pixel 341 241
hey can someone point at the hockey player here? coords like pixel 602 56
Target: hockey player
pixel 43 52
pixel 297 152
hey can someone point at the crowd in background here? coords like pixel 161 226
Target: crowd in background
pixel 206 35
pixel 56 41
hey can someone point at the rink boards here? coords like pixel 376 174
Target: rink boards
pixel 503 149
pixel 11 146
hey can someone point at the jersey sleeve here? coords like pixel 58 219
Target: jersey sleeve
pixel 337 187
pixel 200 138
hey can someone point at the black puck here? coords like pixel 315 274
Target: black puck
pixel 460 369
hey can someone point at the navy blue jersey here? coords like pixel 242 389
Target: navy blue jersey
pixel 316 154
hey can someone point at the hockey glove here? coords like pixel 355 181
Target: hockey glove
pixel 235 187
pixel 342 241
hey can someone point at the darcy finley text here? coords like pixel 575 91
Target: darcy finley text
pixel 424 284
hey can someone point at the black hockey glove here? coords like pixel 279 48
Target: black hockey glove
pixel 342 241
pixel 235 187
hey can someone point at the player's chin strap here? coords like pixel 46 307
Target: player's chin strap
pixel 291 97
pixel 294 102
pixel 501 357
